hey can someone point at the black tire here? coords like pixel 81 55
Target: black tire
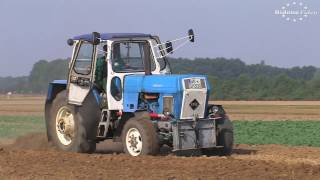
pixel 148 132
pixel 224 139
pixel 80 141
pixel 225 134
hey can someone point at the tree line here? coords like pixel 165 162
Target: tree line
pixel 231 79
pixel 37 82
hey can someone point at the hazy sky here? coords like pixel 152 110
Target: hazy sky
pixel 247 29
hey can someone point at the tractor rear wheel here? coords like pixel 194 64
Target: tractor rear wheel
pixel 66 127
pixel 139 137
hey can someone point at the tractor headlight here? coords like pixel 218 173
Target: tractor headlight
pixel 214 110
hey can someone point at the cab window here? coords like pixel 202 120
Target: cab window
pixel 83 62
pixel 130 56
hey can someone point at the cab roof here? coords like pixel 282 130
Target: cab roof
pixel 107 36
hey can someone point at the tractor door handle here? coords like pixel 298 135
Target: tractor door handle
pixel 81 81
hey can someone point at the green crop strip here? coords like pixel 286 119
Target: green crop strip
pixel 13 126
pixel 295 133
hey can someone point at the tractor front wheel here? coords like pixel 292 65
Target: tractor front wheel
pixel 139 137
pixel 225 140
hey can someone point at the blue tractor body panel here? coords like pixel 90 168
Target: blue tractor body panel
pixel 62 81
pixel 164 85
pixel 55 87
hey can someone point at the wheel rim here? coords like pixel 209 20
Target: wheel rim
pixel 65 125
pixel 134 142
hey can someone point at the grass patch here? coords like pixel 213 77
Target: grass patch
pixel 13 126
pixel 295 133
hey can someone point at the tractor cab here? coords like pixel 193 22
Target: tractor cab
pixel 122 54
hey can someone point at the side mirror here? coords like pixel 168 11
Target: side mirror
pixel 95 38
pixel 70 42
pixel 169 47
pixel 191 35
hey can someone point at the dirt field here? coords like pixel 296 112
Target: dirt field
pixel 30 157
pixel 272 110
pixel 20 105
pixel 26 159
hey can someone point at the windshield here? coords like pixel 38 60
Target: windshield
pixel 129 56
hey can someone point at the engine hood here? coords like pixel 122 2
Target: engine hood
pixel 164 85
pixel 155 83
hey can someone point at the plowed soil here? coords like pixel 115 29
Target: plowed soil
pixel 31 157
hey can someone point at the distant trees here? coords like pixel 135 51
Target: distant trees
pixel 231 79
pixel 230 68
pixel 41 74
pixel 13 84
pixel 44 72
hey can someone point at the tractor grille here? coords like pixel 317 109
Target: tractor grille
pixel 194 99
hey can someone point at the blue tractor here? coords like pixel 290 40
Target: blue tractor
pixel 120 87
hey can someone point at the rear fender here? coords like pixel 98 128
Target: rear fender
pixel 55 87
